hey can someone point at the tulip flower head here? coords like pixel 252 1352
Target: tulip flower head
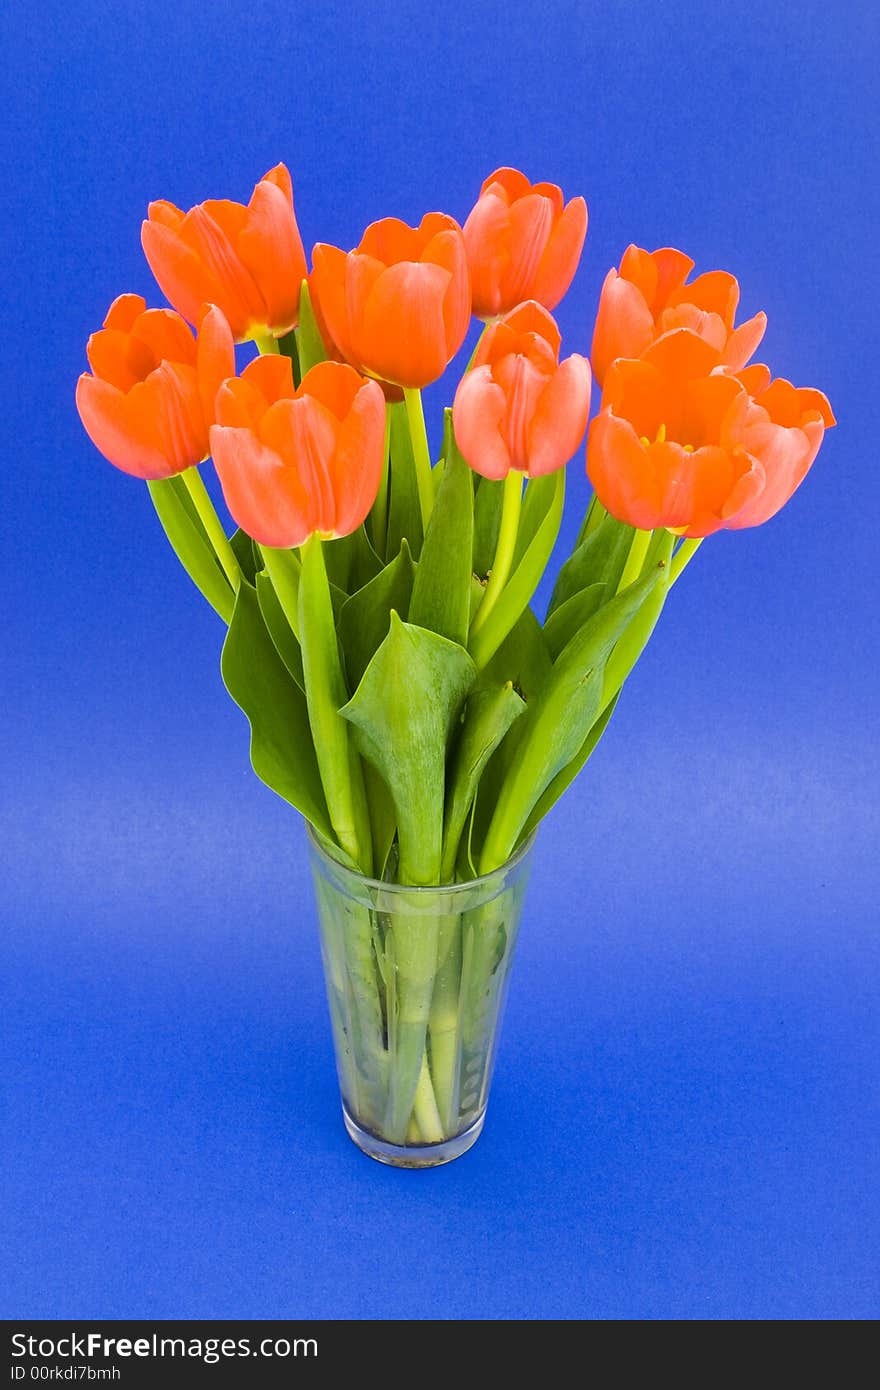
pixel 650 295
pixel 519 407
pixel 399 305
pixel 523 242
pixel 682 443
pixel 295 463
pixel 248 260
pixel 147 403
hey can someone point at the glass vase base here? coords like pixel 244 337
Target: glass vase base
pixel 413 1155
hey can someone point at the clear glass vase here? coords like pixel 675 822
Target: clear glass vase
pixel 416 982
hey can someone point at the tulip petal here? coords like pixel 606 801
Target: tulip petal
pixel 532 317
pixel 264 496
pixel 785 454
pixel 531 222
pixel 708 326
pixel 486 239
pixel 271 247
pixel 681 354
pixel 328 295
pixel 755 378
pixel 672 269
pixel 334 384
pixel 446 249
pixel 618 468
pixel 117 357
pixel 391 240
pixel 560 417
pixel 715 291
pixel 170 397
pixel 561 255
pixel 124 311
pixel 744 341
pixel 280 176
pixel 624 324
pixel 508 184
pixel 403 333
pixel 359 457
pixel 167 336
pixel 272 375
pixel 215 359
pixel 478 416
pixel 180 273
pixel 242 301
pixel 130 442
pixel 637 392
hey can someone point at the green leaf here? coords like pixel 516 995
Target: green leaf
pixel 282 752
pixel 523 657
pixel 404 710
pixel 538 499
pixel 279 628
pixel 634 640
pixel 366 616
pixel 190 543
pixel 564 621
pixel 351 561
pixel 309 341
pixel 246 553
pixel 490 711
pixel 563 779
pixel 487 521
pixel 404 511
pixel 288 347
pixel 560 718
pixel 597 560
pixel 441 595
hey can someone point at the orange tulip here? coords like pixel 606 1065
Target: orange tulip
pixel 397 307
pixel 519 407
pixel 248 260
pixel 650 296
pixel 782 426
pixel 148 402
pixel 682 443
pixel 522 242
pixel 293 463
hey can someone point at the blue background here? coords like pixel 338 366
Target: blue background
pixel 684 1119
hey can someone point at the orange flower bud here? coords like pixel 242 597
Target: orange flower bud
pixel 148 402
pixel 293 463
pixel 519 407
pixel 522 242
pixel 248 260
pixel 397 307
pixel 682 443
pixel 648 296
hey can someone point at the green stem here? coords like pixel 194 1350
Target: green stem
pixel 682 558
pixel 637 551
pixel 415 419
pixel 505 549
pixel 425 1111
pixel 338 761
pixel 210 520
pixel 284 569
pixel 266 344
pixel 526 577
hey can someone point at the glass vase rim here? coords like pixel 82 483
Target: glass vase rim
pixel 467 885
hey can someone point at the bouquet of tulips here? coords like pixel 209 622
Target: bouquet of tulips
pixel 402 692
